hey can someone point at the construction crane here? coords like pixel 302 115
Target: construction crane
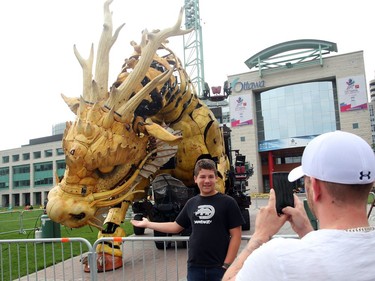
pixel 214 97
pixel 193 46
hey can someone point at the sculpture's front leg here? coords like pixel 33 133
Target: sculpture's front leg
pixel 109 255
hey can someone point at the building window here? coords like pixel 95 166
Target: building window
pixel 294 159
pixel 21 176
pixel 287 160
pixel 4 171
pixel 21 183
pixel 26 156
pixel 44 181
pixel 48 153
pixel 5 159
pixel 355 126
pixel 16 158
pixel 43 167
pixel 242 139
pixel 43 174
pixel 4 177
pixel 37 154
pixel 60 165
pixel 59 151
pixel 24 169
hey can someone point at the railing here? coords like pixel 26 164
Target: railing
pixel 43 259
pixel 21 216
pixel 143 261
pixel 63 258
pixel 36 259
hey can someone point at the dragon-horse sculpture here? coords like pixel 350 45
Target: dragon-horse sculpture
pixel 149 121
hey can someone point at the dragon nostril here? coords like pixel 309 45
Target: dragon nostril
pixel 78 216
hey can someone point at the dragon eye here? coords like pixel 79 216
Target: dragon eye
pixel 72 152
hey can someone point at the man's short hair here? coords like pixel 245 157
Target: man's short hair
pixel 348 192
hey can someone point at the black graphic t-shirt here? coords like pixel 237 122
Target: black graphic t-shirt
pixel 211 218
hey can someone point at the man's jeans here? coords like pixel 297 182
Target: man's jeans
pixel 197 273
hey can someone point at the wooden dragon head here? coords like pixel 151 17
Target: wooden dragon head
pixel 113 141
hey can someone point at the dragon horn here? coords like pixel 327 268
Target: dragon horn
pixel 128 108
pixel 97 89
pixel 148 47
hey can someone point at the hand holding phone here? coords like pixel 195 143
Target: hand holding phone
pixel 284 198
pixel 283 192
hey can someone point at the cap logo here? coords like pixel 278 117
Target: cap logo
pixel 364 175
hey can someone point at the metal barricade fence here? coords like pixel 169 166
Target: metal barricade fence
pixel 23 217
pixel 43 259
pixel 62 258
pixel 143 261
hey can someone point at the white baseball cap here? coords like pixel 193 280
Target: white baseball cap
pixel 338 157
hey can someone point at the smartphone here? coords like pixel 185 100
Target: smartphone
pixel 283 191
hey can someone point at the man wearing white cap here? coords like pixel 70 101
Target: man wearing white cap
pixel 339 172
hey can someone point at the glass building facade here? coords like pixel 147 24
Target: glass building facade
pixel 297 110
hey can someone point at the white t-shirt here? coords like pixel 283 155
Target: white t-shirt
pixel 320 255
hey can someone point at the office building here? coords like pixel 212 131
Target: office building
pixel 293 93
pixel 29 172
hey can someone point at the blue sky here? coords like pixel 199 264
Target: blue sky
pixel 37 63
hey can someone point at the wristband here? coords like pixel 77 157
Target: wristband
pixel 226 265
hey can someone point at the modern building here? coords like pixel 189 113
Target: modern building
pixel 29 172
pixel 293 93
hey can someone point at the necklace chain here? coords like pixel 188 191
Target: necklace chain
pixel 361 229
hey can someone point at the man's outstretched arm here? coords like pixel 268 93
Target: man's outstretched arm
pixel 166 227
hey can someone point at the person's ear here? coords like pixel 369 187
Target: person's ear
pixel 316 189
